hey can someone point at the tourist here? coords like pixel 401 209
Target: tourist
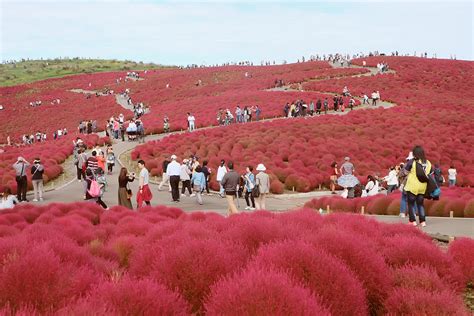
pixel 166 124
pixel 90 178
pixel 392 180
pixel 101 160
pixel 144 192
pixel 365 99
pixel 110 159
pixel 140 132
pixel 230 183
pixel 185 178
pixel 221 171
pixel 92 162
pixel 81 163
pixel 438 175
pixel 311 108
pixel 173 170
pixel 124 193
pixel 351 103
pixel 258 112
pixel 347 180
pixel 164 176
pixel 318 107
pixel 207 174
pixel 20 166
pixel 326 105
pixel 335 100
pixel 8 200
pixel 249 180
pixel 452 175
pixel 371 188
pixel 37 170
pixel 199 183
pixel 333 177
pixel 419 167
pixel 263 183
pixel 191 122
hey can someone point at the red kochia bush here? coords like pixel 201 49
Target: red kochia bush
pixel 261 292
pixel 462 251
pixel 339 288
pixel 130 297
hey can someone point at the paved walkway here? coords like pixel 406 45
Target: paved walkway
pixel 70 190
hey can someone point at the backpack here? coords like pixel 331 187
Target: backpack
pixel 256 191
pixel 433 191
pixel 420 173
pixel 94 189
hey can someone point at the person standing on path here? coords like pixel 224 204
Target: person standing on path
pixel 419 168
pixel 452 174
pixel 81 164
pixel 207 174
pixel 198 181
pixel 110 159
pixel 326 105
pixel 185 177
pixel 164 176
pixel 174 170
pixel 144 192
pixel 230 183
pixel 37 171
pixel 221 171
pixel 20 166
pixel 124 193
pixel 249 179
pixel 348 180
pixel 263 182
pixel 333 177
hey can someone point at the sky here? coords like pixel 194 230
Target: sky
pixel 209 32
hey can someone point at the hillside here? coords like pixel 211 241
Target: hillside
pixel 33 70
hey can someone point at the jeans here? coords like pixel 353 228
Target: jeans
pixel 38 189
pixel 174 182
pixel 221 190
pixel 415 201
pixel 249 198
pixel 22 186
pixel 80 173
pixel 452 183
pixel 391 188
pixel 198 192
pixel 191 126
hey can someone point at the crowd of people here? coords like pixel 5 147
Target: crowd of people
pixel 242 115
pixel 87 126
pixel 416 178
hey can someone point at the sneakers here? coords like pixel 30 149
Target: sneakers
pixel 35 200
pixel 423 224
pixel 193 195
pixel 402 215
pixel 247 208
pixel 252 208
pixel 414 223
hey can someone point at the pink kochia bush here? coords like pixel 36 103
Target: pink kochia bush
pixel 458 200
pixel 79 259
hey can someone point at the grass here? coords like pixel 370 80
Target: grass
pixel 33 70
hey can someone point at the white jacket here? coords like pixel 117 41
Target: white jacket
pixel 221 171
pixel 371 188
pixel 392 178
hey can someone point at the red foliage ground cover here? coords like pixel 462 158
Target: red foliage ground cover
pixel 51 153
pixel 75 258
pixel 460 201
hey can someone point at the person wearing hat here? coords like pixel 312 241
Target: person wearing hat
pixel 173 170
pixel 37 171
pixel 263 182
pixel 20 166
pixel 347 180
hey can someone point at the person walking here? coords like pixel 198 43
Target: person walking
pixel 326 105
pixel 191 122
pixel 20 166
pixel 110 159
pixel 37 170
pixel 164 176
pixel 392 180
pixel 173 170
pixel 185 177
pixel 81 163
pixel 92 162
pixel 198 181
pixel 333 177
pixel 452 175
pixel 90 177
pixel 263 182
pixel 207 174
pixel 124 193
pixel 419 168
pixel 221 171
pixel 249 185
pixel 230 183
pixel 8 200
pixel 144 192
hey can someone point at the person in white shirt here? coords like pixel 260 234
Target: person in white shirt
pixel 452 173
pixel 173 170
pixel 221 171
pixel 374 98
pixel 191 122
pixel 8 201
pixel 392 180
pixel 371 188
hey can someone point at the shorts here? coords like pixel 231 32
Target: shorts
pixel 333 179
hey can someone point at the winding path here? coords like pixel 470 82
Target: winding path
pixel 71 190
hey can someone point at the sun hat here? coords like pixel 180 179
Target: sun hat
pixel 410 156
pixel 261 167
pixel 347 159
pixel 174 157
pixel 20 158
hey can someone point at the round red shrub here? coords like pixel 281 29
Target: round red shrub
pixel 261 292
pixel 462 252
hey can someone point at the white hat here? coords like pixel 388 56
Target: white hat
pixel 347 159
pixel 261 167
pixel 410 156
pixel 174 157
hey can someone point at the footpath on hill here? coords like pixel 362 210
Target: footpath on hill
pixel 68 189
